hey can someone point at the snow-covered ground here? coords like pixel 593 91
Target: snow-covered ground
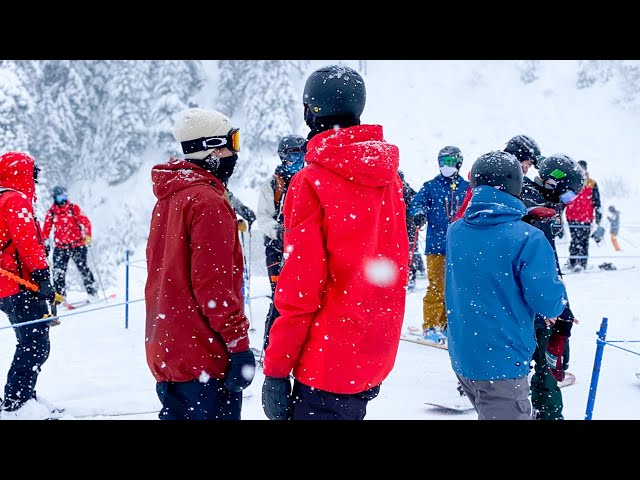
pixel 97 365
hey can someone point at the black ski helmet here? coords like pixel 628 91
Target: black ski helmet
pixel 451 151
pixel 559 173
pixel 335 91
pixel 290 143
pixel 498 169
pixel 524 148
pixel 58 190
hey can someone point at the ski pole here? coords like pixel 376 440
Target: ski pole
pixel 97 273
pixel 252 328
pixel 413 246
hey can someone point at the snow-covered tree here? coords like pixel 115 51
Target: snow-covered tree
pixel 15 106
pixel 174 85
pixel 123 127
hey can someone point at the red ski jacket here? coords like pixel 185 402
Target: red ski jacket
pixel 20 239
pixel 69 223
pixel 193 294
pixel 586 206
pixel 341 292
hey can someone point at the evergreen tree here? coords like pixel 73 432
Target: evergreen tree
pixel 123 128
pixel 233 76
pixel 15 106
pixel 271 107
pixel 175 84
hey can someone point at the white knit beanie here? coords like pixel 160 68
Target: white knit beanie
pixel 195 123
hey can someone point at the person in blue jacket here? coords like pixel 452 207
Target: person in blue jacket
pixel 500 272
pixel 436 203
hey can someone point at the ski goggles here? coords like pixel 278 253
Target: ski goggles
pixel 295 157
pixel 568 196
pixel 61 198
pixel 230 141
pixel 448 161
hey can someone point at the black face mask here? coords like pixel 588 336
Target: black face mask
pixel 226 167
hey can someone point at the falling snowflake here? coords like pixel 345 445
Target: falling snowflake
pixel 381 271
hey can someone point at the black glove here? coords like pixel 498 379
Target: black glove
pixel 47 247
pixel 280 233
pixel 251 217
pixel 241 371
pixel 276 398
pixel 45 289
pixel 419 220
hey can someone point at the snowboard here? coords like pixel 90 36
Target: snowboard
pixel 456 407
pixel 569 379
pixel 414 335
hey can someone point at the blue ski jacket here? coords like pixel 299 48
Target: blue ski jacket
pixel 500 272
pixel 439 200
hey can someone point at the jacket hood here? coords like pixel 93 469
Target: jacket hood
pixel 16 172
pixel 358 153
pixel 175 175
pixel 490 206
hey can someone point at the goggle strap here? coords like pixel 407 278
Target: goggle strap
pixel 201 144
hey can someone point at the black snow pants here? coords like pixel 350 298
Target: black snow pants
pixel 61 258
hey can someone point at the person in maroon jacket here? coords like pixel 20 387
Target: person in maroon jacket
pixel 341 291
pixel 197 342
pixel 23 262
pixel 71 239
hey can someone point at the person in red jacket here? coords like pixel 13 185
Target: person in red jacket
pixel 23 264
pixel 580 214
pixel 71 239
pixel 197 340
pixel 341 291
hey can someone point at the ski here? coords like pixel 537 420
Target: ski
pixel 599 270
pixel 83 303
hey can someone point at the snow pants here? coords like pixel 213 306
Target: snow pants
pixel 506 399
pixel 61 257
pixel 313 404
pixel 546 396
pixel 579 246
pixel 274 264
pixel 32 349
pixel 433 309
pixel 195 400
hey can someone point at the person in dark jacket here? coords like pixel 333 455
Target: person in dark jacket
pixel 415 260
pixel 197 341
pixel 341 292
pixel 580 215
pixel 557 184
pixel 71 239
pixel 436 204
pixel 270 216
pixel 23 268
pixel 491 333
